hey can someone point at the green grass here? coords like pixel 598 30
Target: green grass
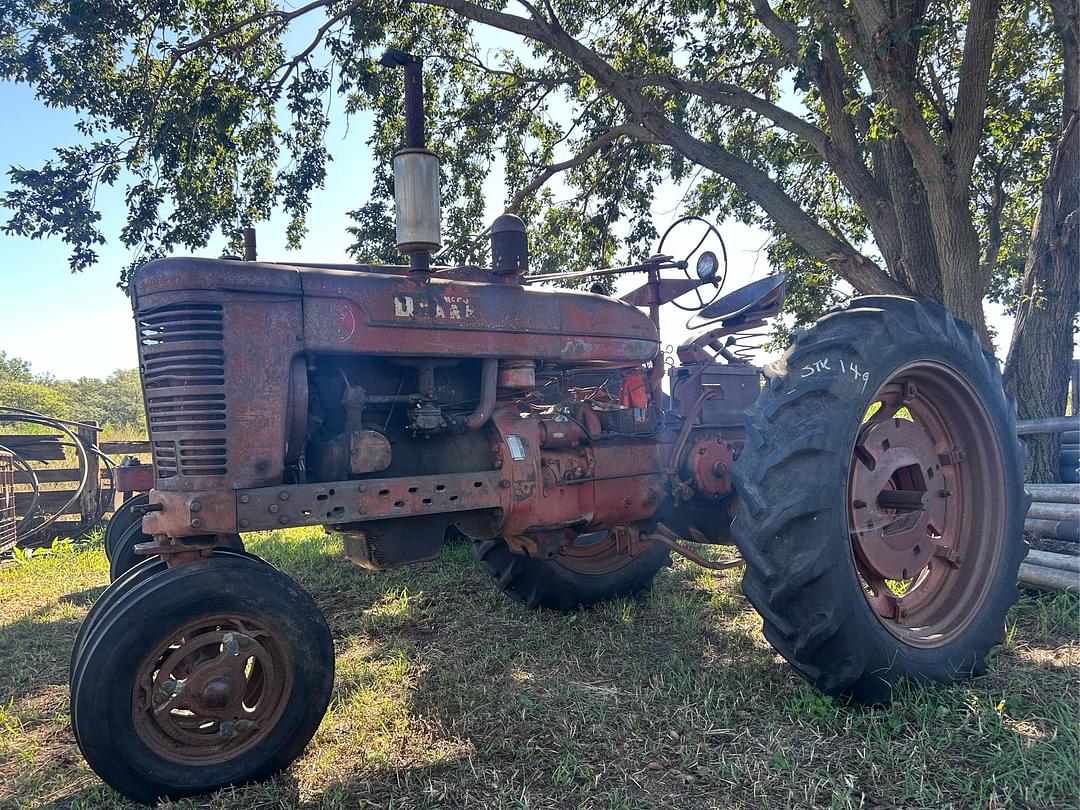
pixel 448 695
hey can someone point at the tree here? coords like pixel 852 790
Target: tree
pixel 14 369
pixel 1050 291
pixel 899 146
pixel 35 396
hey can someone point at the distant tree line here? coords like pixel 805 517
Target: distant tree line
pixel 115 401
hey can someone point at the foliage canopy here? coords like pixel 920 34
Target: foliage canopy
pixel 855 132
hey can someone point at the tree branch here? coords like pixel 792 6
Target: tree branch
pixel 786 33
pixel 863 273
pixel 971 90
pixel 731 95
pixel 623 130
pixel 844 154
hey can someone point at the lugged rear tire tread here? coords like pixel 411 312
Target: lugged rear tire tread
pixel 806 606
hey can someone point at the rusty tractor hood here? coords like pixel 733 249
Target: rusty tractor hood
pixel 375 310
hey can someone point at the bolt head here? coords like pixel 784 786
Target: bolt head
pixel 244 523
pixel 283 496
pixel 196 506
pixel 245 498
pixel 195 523
pixel 272 508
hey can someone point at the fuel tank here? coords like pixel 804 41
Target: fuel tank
pixel 374 310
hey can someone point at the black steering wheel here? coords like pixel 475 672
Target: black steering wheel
pixel 710 265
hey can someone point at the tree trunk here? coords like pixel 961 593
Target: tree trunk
pixel 957 242
pixel 1037 370
pixel 919 265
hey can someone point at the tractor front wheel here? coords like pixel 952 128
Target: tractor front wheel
pixel 882 500
pixel 216 672
pixel 126 514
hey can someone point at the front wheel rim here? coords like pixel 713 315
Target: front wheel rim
pixel 212 690
pixel 926 494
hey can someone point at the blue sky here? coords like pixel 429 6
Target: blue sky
pixel 80 324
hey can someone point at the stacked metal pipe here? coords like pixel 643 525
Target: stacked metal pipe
pixel 1054 510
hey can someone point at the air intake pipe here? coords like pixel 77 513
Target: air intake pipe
pixel 416 172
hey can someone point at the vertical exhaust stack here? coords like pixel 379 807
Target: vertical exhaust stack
pixel 416 172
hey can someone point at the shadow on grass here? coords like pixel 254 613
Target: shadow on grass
pixel 447 694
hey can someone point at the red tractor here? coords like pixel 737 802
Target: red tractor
pixel 872 480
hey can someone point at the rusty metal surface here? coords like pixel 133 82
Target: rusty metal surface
pixel 211 690
pixel 891 528
pixel 667 290
pixel 667 537
pixel 926 557
pixel 709 460
pixel 183 514
pixel 393 315
pixel 517 374
pixel 369 451
pixel 606 484
pixel 368 500
pixel 226 511
pixel 214 367
pixel 386 313
pixel 133 478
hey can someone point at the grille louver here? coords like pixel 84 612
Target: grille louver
pixel 183 372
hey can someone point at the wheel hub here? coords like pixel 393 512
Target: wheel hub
pixel 925 503
pixel 895 505
pixel 213 691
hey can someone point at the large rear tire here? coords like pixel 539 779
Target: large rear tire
pixel 882 540
pixel 590 572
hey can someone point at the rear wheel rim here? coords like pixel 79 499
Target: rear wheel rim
pixel 926 504
pixel 593 555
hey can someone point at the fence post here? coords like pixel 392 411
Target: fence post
pixel 90 500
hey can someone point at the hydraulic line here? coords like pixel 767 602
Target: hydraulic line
pixel 29 522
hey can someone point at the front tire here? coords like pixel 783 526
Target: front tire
pixel 882 540
pixel 213 673
pixel 125 515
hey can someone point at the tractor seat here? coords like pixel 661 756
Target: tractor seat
pixel 756 301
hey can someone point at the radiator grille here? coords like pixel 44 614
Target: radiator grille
pixel 183 372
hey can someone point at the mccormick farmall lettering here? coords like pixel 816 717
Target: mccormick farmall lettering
pixel 445 307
